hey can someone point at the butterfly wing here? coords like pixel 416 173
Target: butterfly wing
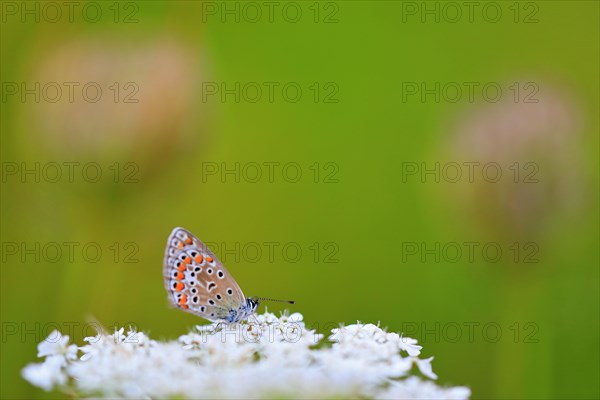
pixel 196 281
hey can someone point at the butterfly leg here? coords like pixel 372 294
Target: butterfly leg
pixel 219 327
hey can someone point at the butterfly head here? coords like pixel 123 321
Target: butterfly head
pixel 252 304
pixel 244 311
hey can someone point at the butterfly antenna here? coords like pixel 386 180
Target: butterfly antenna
pixel 276 300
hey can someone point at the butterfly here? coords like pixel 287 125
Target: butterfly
pixel 197 282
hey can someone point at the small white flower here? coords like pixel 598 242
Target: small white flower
pixel 48 374
pixel 296 317
pixel 410 346
pixel 425 367
pixel 57 344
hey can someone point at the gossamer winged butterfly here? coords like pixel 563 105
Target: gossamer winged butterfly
pixel 197 282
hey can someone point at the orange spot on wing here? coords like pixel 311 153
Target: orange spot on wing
pixel 209 259
pixel 198 259
pixel 184 306
pixel 188 240
pixel 179 287
pixel 187 260
pixel 180 276
pixel 181 266
pixel 180 245
pixel 183 300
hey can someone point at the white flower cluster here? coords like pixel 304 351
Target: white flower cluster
pixel 269 357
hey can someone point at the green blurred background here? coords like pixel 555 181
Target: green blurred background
pixel 369 53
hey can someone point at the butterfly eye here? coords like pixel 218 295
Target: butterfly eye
pixel 229 292
pixel 220 274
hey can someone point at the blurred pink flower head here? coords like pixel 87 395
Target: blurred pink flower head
pixel 534 141
pixel 109 99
